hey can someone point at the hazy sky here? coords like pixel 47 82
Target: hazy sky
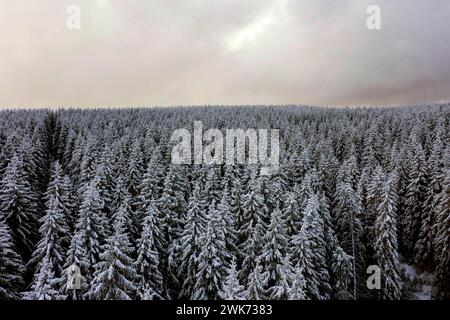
pixel 197 52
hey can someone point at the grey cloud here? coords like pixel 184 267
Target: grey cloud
pixel 186 52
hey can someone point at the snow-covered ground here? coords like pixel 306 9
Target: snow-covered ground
pixel 421 283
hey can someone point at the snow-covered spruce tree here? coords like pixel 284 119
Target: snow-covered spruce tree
pixel 150 280
pixel 235 188
pixel 375 189
pixel 232 289
pixel 193 230
pixel 106 182
pixel 11 266
pixel 256 283
pixel 213 259
pixel 254 209
pixel 135 168
pixel 115 273
pixel 335 262
pixel 308 251
pixel 249 251
pixel 54 237
pixel 297 291
pixel 18 206
pixel 45 282
pixel 346 216
pixel 370 156
pixel 88 164
pixel 172 205
pixel 90 224
pixel 292 213
pixel 282 286
pixel 151 186
pixel 423 248
pixel 252 229
pixel 269 194
pixel 415 197
pixel 342 270
pixel 122 203
pixel 211 190
pixel 76 255
pixel 386 241
pixel 230 228
pixel 349 171
pixel 442 240
pixel 42 151
pixel 68 198
pixel 274 258
pixel 73 160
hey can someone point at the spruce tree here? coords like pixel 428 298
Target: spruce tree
pixel 297 290
pixel 90 225
pixel 273 257
pixel 115 273
pixel 76 256
pixel 11 266
pixel 415 198
pixel 18 206
pixel 256 284
pixel 147 263
pixel 386 241
pixel 191 244
pixel 232 289
pixel 54 237
pixel 213 258
pixel 442 240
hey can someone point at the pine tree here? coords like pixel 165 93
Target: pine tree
pixel 18 206
pixel 68 200
pixel 11 266
pixel 415 198
pixel 442 240
pixel 256 284
pixel 115 273
pixel 281 288
pixel 152 183
pixel 273 257
pixel 147 263
pixel 122 206
pixel 298 289
pixel 302 256
pixel 135 168
pixel 230 229
pixel 292 213
pixel 213 258
pixel 342 269
pixel 423 248
pixel 252 229
pixel 76 255
pixel 107 182
pixel 232 289
pixel 45 282
pixel 54 233
pixel 386 241
pixel 349 229
pixel 91 223
pixel 191 244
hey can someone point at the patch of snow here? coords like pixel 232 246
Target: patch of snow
pixel 424 293
pixel 410 271
pixel 423 282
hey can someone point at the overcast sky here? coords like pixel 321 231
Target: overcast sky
pixel 197 52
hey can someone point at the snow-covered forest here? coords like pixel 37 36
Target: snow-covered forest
pixel 96 188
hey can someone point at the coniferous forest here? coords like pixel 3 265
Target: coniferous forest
pixel 97 189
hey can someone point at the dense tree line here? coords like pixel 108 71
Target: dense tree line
pixel 96 188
